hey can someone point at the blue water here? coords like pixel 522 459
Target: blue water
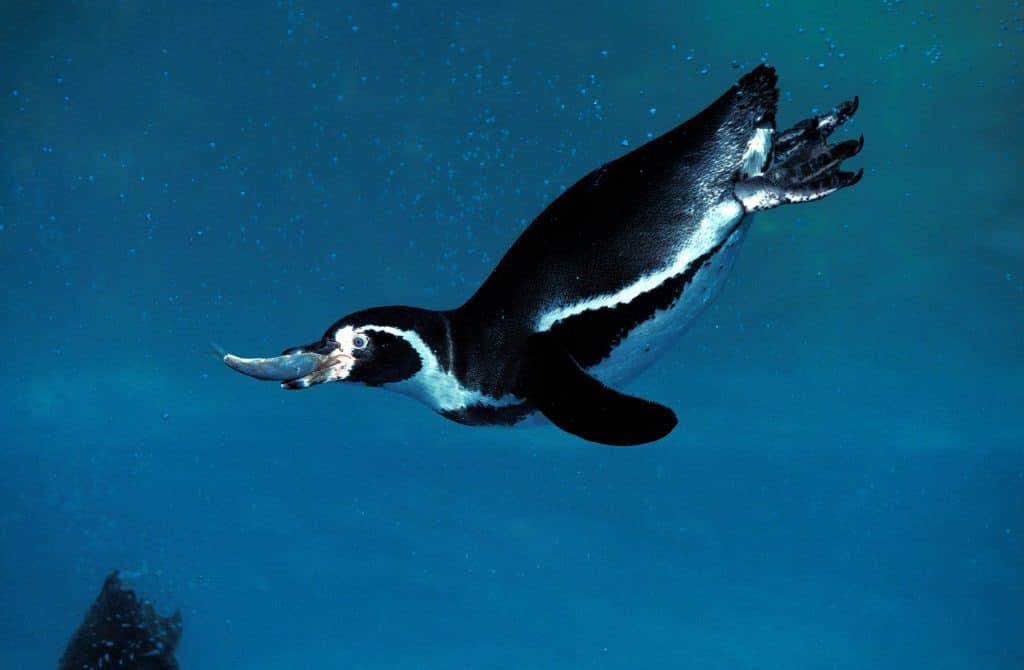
pixel 845 488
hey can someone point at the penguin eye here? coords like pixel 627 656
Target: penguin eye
pixel 360 341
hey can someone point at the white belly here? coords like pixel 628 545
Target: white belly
pixel 649 340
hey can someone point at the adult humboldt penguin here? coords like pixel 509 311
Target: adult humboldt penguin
pixel 598 286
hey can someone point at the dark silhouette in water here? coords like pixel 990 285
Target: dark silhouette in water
pixel 121 631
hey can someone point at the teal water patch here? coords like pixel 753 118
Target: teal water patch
pixel 845 485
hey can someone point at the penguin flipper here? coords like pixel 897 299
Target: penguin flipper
pixel 580 404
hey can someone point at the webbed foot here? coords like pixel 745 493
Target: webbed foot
pixel 804 165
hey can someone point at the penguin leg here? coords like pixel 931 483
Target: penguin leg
pixel 805 166
pixel 580 404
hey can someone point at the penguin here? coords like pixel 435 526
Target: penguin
pixel 598 286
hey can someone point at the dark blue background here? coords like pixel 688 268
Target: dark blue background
pixel 845 488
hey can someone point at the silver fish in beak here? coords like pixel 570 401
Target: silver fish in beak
pixel 298 367
pixel 278 368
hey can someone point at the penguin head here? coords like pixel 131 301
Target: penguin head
pixel 373 347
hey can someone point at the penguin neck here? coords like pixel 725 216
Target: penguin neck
pixel 461 364
pixel 428 333
pixel 485 347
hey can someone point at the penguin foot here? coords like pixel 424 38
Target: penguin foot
pixel 810 130
pixel 804 166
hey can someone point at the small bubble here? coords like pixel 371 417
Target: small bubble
pixel 652 111
pixel 624 142
pixel 704 70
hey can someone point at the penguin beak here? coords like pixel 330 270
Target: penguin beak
pixel 296 368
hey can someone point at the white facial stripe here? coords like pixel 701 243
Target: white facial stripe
pixel 344 337
pixel 433 385
pixel 341 358
pixel 708 234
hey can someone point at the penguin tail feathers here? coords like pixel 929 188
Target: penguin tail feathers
pixel 728 124
pixel 758 92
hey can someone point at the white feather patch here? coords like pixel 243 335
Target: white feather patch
pixel 709 232
pixel 434 385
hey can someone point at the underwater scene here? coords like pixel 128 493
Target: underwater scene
pixel 828 469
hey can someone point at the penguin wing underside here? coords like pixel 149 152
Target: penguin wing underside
pixel 580 404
